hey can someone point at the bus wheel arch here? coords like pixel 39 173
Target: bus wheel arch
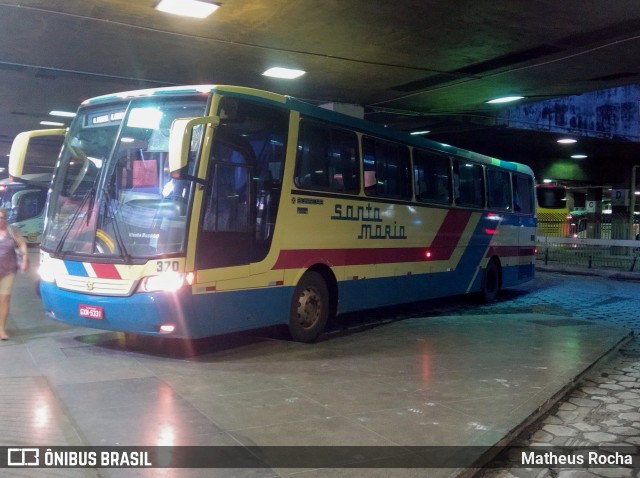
pixel 491 280
pixel 312 304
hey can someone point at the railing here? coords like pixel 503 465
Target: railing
pixel 579 241
pixel 621 255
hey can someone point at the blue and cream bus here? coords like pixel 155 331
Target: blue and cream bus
pixel 193 211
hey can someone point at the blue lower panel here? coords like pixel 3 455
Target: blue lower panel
pixel 365 294
pixel 370 293
pixel 515 275
pixel 194 316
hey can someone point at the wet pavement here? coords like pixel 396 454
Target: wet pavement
pixel 604 409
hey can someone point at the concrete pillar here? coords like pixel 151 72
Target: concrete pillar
pixel 594 213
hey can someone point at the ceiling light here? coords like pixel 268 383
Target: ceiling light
pixel 187 8
pixel 578 156
pixel 51 123
pixel 415 133
pixel 567 140
pixel 505 99
pixel 285 73
pixel 64 114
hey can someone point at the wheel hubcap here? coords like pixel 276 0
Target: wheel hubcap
pixel 309 308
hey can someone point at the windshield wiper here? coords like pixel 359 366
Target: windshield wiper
pixel 124 253
pixel 89 196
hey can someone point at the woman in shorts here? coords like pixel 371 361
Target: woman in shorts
pixel 10 240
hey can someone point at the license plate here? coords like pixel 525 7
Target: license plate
pixel 91 311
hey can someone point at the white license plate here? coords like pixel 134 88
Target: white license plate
pixel 91 311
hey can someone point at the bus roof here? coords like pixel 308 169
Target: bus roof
pixel 318 112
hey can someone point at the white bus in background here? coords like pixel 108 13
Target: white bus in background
pixel 24 201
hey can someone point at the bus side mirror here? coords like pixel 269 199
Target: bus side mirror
pixel 180 139
pixel 20 146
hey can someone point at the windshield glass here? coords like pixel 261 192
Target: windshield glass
pixel 551 197
pixel 112 194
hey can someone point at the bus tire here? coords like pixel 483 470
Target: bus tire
pixel 309 308
pixel 490 282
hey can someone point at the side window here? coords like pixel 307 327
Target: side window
pixel 387 170
pixel 498 189
pixel 432 176
pixel 468 184
pixel 344 162
pixel 327 159
pixel 522 194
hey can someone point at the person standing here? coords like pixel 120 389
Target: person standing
pixel 10 240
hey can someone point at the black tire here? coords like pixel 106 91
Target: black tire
pixel 490 282
pixel 309 308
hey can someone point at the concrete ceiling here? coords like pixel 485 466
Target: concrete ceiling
pixel 410 63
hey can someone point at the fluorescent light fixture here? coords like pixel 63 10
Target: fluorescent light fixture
pixel 187 8
pixel 51 123
pixel 547 181
pixel 504 99
pixel 415 133
pixel 284 73
pixel 64 114
pixel 579 156
pixel 567 141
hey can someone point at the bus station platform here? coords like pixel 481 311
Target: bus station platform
pixel 469 382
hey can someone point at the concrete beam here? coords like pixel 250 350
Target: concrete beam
pixel 609 114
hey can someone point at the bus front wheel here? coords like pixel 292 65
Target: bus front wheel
pixel 490 282
pixel 309 308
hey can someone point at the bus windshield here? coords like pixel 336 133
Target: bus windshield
pixel 552 197
pixel 112 194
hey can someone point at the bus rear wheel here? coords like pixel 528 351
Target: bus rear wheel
pixel 490 282
pixel 309 308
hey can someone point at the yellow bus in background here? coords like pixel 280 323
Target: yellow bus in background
pixel 555 205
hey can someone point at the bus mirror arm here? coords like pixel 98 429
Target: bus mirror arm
pixel 188 177
pixel 180 139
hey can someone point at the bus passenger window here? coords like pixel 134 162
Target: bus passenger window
pixel 468 184
pixel 522 194
pixel 432 175
pixel 391 164
pixel 327 158
pixel 498 189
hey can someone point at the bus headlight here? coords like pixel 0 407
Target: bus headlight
pixel 166 282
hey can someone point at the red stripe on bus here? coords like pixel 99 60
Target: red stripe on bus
pixel 449 234
pixel 441 249
pixel 106 271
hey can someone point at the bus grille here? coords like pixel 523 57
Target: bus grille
pixel 95 286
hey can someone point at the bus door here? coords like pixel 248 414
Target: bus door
pixel 241 192
pixel 227 229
